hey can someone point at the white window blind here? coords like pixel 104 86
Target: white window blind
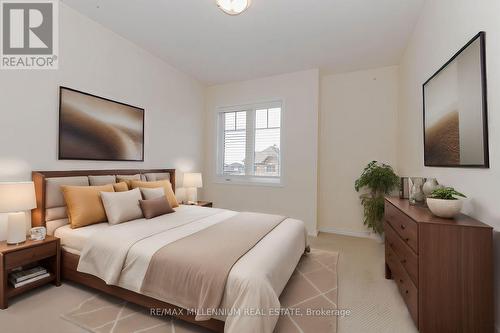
pixel 249 145
pixel 235 141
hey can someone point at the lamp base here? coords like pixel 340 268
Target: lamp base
pixel 192 194
pixel 16 228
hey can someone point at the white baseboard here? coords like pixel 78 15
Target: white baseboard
pixel 313 233
pixel 361 234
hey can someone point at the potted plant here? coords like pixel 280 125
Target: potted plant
pixel 379 180
pixel 445 202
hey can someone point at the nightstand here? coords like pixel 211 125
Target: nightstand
pixel 46 253
pixel 204 203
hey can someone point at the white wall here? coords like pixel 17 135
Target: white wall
pixel 358 119
pixel 96 60
pixel 297 198
pixel 443 28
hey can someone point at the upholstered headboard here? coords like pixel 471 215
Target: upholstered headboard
pixel 41 178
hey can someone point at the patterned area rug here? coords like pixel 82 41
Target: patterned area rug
pixel 311 296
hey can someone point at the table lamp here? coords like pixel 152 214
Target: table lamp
pixel 16 199
pixel 192 181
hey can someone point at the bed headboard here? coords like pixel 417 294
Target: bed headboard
pixel 38 214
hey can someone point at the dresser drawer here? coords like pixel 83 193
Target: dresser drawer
pixel 406 256
pixel 407 289
pixel 23 257
pixel 403 225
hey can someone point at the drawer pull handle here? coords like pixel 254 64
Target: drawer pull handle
pixel 406 292
pixel 403 261
pixel 407 239
pixel 403 226
pixel 401 280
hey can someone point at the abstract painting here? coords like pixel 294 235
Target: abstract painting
pixel 455 110
pixel 96 128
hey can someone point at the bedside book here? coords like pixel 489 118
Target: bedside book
pixel 25 282
pixel 23 275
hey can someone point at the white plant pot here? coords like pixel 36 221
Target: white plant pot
pixel 445 208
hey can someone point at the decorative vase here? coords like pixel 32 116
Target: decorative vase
pixel 444 208
pixel 417 195
pixel 430 185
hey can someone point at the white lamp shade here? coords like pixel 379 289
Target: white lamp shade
pixel 17 197
pixel 193 180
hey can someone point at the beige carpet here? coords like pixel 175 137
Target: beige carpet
pixel 311 291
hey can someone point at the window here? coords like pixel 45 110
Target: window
pixel 249 144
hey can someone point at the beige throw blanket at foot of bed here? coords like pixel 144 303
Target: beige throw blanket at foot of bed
pixel 192 271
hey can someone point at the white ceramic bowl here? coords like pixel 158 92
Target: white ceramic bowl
pixel 444 208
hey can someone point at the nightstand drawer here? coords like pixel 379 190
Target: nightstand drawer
pixel 26 256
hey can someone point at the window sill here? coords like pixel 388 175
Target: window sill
pixel 249 181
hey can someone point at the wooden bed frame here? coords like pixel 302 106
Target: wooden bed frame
pixel 69 261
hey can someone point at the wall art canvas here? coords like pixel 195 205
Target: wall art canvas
pixel 455 110
pixel 96 128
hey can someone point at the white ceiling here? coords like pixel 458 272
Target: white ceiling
pixel 271 37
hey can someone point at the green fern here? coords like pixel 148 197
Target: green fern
pixel 380 179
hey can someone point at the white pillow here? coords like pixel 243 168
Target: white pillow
pixel 152 193
pixel 122 206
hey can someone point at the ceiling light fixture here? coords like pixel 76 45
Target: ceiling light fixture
pixel 233 7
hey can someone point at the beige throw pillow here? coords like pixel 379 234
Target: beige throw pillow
pixel 165 184
pixel 122 206
pixel 152 193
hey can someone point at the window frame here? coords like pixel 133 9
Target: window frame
pixel 249 178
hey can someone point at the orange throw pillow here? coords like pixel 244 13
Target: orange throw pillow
pixel 127 179
pixel 84 204
pixel 120 187
pixel 167 187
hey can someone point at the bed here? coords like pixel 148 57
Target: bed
pixel 254 282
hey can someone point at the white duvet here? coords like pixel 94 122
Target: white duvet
pixel 120 256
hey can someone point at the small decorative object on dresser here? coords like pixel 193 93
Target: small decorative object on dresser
pixel 16 199
pixel 22 261
pixel 445 202
pixel 404 188
pixel 430 185
pixel 416 193
pixel 443 267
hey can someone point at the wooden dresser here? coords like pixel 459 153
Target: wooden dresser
pixel 443 268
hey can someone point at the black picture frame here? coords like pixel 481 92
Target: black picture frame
pixel 486 161
pixel 60 157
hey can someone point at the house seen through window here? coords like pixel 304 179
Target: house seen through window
pixel 250 143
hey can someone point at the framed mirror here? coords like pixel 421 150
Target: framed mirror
pixel 455 110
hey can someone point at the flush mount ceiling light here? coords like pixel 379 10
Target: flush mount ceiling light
pixel 233 7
